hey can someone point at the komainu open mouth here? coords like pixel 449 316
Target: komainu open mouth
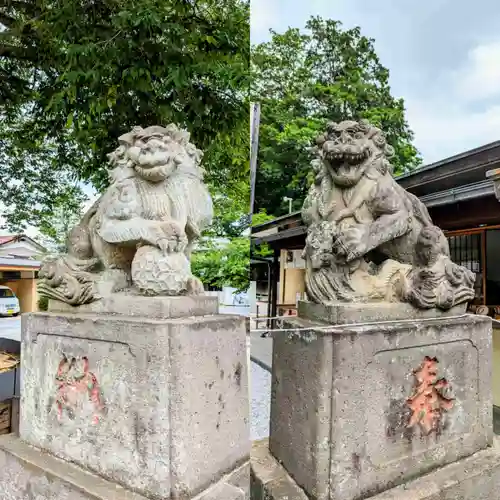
pixel 349 153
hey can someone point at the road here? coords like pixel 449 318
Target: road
pixel 240 310
pixel 10 328
pixel 260 401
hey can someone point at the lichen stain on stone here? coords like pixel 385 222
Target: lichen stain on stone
pixel 356 462
pixel 306 336
pixel 428 403
pixel 397 419
pixel 237 374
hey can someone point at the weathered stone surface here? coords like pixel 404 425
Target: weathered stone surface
pixel 27 473
pixel 139 234
pixel 474 478
pixel 163 404
pixel 355 207
pixel 240 478
pixel 340 410
pixel 223 490
pixel 341 313
pixel 269 479
pixel 124 304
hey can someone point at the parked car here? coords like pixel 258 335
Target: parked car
pixel 9 303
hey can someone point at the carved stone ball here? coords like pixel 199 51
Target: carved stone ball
pixel 156 273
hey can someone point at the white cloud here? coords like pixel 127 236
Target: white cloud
pixel 263 16
pixel 462 111
pixel 479 78
pixel 441 132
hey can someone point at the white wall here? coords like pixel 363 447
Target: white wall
pixel 252 297
pixel 19 249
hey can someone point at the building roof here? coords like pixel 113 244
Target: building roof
pixel 454 172
pixel 9 238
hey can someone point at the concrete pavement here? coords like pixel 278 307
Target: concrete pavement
pixel 261 350
pixel 10 328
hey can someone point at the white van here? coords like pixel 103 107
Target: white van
pixel 9 303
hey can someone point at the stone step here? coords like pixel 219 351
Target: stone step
pixel 474 478
pixel 28 473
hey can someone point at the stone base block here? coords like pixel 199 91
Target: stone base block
pixel 341 313
pixel 474 478
pixel 359 409
pixel 125 304
pixel 159 406
pixel 30 474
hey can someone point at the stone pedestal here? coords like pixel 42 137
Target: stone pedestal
pixel 344 425
pixel 153 397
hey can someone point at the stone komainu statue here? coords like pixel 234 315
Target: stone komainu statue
pixel 139 234
pixel 368 239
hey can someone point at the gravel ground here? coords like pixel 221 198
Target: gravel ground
pixel 260 390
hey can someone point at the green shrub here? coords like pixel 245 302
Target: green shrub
pixel 43 303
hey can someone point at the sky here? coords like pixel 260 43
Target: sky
pixel 443 57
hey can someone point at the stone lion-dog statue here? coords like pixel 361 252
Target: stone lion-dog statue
pixel 368 239
pixel 139 234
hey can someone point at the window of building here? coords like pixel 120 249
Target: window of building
pixel 492 267
pixel 11 275
pixel 466 250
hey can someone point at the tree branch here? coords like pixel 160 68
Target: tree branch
pixel 6 20
pixel 27 7
pixel 20 53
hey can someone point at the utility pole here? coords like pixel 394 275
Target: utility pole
pixel 254 150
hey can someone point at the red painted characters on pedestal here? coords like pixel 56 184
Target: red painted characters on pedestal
pixel 74 380
pixel 428 402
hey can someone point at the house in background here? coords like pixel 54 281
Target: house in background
pixel 20 260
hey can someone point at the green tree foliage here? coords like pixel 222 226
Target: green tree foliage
pixel 76 74
pixel 224 264
pixel 228 264
pixel 302 80
pixel 56 226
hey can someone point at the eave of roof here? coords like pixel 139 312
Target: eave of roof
pixel 24 263
pixel 269 224
pixel 19 237
pixel 448 160
pixel 462 193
